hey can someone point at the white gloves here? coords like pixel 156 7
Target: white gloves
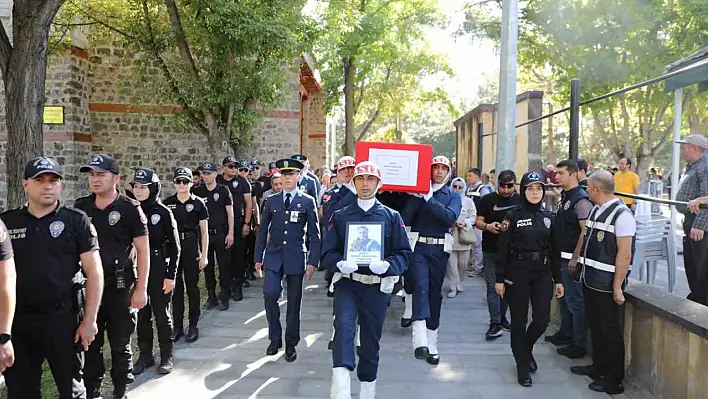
pixel 429 195
pixel 347 266
pixel 379 266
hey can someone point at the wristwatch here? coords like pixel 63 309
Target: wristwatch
pixel 5 338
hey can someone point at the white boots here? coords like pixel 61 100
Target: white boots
pixel 420 339
pixel 433 356
pixel 341 384
pixel 368 390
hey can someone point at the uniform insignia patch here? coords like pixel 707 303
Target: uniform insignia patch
pixel 600 235
pixel 235 184
pixel 299 205
pixel 216 196
pixel 93 231
pixel 3 233
pixel 143 218
pixel 505 225
pixel 547 222
pixel 285 163
pixel 113 218
pixel 189 207
pixel 567 205
pixel 302 189
pixel 155 219
pixel 56 228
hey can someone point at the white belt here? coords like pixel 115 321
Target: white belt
pixel 363 278
pixel 566 255
pixel 431 240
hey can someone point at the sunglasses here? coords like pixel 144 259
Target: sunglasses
pixel 183 182
pixel 506 185
pixel 457 187
pixel 232 166
pixel 243 170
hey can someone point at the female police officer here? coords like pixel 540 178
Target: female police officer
pixel 164 245
pixel 527 266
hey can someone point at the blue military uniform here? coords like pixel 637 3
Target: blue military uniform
pixel 362 294
pixel 311 175
pixel 285 255
pixel 308 185
pixel 433 219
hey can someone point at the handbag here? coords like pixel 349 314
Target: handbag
pixel 465 237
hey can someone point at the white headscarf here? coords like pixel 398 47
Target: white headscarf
pixel 464 184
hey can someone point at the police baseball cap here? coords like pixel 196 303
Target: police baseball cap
pixel 208 167
pixel 228 160
pixel 244 165
pixel 41 165
pixel 182 173
pixel 101 163
pixel 272 166
pixel 696 139
pixel 144 176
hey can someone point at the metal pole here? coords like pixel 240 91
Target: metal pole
pixel 675 165
pixel 574 118
pixel 507 86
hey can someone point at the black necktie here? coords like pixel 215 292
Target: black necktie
pixel 287 201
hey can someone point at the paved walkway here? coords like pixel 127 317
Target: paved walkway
pixel 228 361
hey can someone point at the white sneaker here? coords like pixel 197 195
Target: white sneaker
pixel 368 390
pixel 452 294
pixel 460 288
pixel 341 384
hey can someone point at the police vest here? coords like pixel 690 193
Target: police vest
pixel 476 195
pixel 565 225
pixel 599 249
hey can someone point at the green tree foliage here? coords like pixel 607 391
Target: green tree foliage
pixel 609 44
pixel 373 53
pixel 221 61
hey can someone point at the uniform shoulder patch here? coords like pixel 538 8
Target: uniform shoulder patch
pixel 92 230
pixel 143 218
pixel 505 225
pixel 3 232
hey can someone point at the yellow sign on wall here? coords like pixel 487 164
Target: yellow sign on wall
pixel 53 115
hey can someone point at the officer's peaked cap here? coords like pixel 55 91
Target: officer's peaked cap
pixel 299 157
pixel 289 164
pixel 41 165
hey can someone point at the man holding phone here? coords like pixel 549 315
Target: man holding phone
pixel 492 210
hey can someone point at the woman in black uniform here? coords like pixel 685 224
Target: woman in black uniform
pixel 164 258
pixel 527 267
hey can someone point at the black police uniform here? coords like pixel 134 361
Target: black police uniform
pixel 257 193
pixel 216 201
pixel 187 214
pixel 117 225
pixel 238 186
pixel 164 258
pixel 47 255
pixel 529 264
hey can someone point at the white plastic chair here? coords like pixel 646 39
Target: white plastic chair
pixel 654 242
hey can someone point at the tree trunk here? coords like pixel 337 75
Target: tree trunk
pixel 24 70
pixel 349 127
pixel 214 138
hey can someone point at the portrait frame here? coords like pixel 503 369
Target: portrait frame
pixel 364 251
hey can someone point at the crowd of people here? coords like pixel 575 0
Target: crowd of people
pixel 115 261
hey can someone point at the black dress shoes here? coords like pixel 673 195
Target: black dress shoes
pixel 290 353
pixel 273 348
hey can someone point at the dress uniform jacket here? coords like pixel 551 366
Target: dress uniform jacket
pixel 287 229
pixel 308 185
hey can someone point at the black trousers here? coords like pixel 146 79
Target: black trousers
pixel 187 278
pixel 218 253
pixel 250 250
pixel 118 320
pixel 539 290
pixel 604 319
pixel 238 255
pixel 695 261
pixel 159 306
pixel 39 336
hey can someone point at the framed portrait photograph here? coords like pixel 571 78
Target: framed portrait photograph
pixel 364 242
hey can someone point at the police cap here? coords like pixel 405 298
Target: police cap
pixel 208 167
pixel 41 165
pixel 300 158
pixel 228 160
pixel 531 178
pixel 182 173
pixel 144 176
pixel 101 163
pixel 289 165
pixel 244 165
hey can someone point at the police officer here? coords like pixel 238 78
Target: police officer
pixel 527 265
pixel 435 214
pixel 256 194
pixel 266 178
pixel 288 217
pixel 221 236
pixel 8 280
pixel 308 183
pixel 164 258
pixel 122 228
pixel 52 243
pixel 240 190
pixel 191 216
pixel 362 291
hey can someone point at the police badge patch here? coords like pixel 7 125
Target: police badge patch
pixel 600 235
pixel 189 207
pixel 92 230
pixel 547 222
pixel 113 218
pixel 235 184
pixel 56 228
pixel 216 196
pixel 155 219
pixel 505 225
pixel 567 205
